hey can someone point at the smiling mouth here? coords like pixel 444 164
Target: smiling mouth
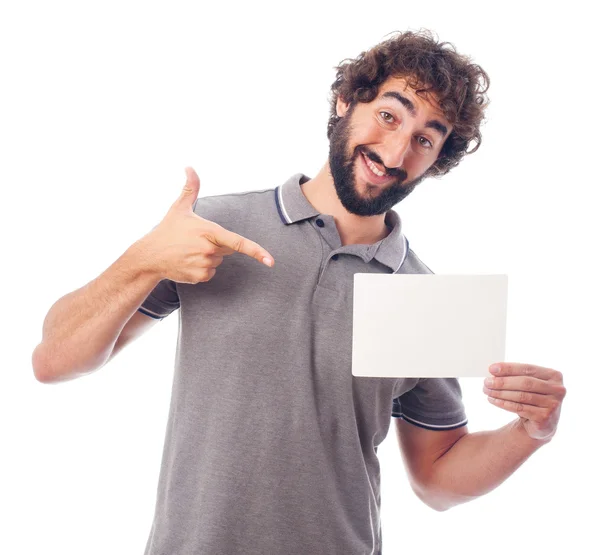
pixel 374 177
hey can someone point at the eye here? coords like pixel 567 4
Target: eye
pixel 424 142
pixel 387 117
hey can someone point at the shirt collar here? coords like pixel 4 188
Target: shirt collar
pixel 294 207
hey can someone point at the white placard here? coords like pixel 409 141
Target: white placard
pixel 428 325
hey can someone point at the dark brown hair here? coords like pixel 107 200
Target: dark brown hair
pixel 428 65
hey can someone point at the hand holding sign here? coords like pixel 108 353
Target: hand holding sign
pixel 533 392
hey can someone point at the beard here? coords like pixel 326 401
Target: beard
pixel 342 168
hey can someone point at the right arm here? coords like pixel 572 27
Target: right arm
pixel 81 328
pixel 86 327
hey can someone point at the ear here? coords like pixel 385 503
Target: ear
pixel 341 107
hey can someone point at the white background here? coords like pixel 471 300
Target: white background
pixel 103 104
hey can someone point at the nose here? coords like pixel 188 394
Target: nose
pixel 394 148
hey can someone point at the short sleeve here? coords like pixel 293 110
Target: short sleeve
pixel 161 301
pixel 434 403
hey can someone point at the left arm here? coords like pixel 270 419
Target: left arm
pixel 447 468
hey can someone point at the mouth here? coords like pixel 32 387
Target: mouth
pixel 372 177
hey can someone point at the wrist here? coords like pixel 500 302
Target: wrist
pixel 518 428
pixel 139 257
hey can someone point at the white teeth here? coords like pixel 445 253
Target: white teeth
pixel 373 167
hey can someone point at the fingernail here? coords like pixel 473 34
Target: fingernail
pixel 495 369
pixel 268 261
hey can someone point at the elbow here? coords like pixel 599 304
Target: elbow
pixel 42 370
pixel 436 506
pixel 435 503
pixel 436 499
pixel 40 366
pixel 47 372
pixel 441 502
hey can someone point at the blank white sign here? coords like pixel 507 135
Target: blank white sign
pixel 428 325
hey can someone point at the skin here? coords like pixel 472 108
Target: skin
pixel 446 467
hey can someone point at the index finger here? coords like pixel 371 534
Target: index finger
pixel 520 369
pixel 225 238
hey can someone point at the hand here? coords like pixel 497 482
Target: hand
pixel 186 248
pixel 533 392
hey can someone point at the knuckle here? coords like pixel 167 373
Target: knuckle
pixel 203 261
pixel 209 236
pixel 206 274
pixel 238 243
pixel 554 404
pixel 562 391
pixel 559 376
pixel 525 397
pixel 210 249
pixel 528 384
pixel 199 277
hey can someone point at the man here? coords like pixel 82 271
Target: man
pixel 271 443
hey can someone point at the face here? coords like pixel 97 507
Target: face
pixel 379 151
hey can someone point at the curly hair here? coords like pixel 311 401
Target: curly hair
pixel 458 85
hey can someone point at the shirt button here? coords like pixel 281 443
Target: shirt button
pixel 334 257
pixel 320 222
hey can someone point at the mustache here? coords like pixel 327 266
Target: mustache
pixel 393 172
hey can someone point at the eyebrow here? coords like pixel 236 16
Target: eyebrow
pixel 432 123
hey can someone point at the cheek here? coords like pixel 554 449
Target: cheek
pixel 365 134
pixel 419 164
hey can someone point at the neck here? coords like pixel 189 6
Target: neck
pixel 353 229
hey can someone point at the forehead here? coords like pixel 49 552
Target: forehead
pixel 425 103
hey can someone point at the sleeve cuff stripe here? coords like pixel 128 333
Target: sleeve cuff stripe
pixel 150 313
pixel 432 426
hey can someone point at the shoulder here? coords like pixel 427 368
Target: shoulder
pixel 232 209
pixel 414 265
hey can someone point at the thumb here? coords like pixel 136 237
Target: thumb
pixel 189 194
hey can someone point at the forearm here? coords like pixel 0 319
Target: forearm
pixel 479 462
pixel 81 328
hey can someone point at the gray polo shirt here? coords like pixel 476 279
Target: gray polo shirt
pixel 271 443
